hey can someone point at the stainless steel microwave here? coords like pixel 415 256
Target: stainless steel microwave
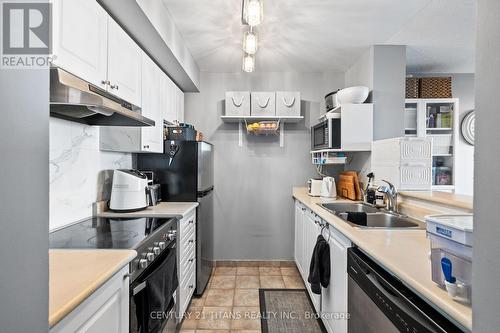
pixel 327 134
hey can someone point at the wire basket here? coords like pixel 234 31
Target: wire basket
pixel 263 128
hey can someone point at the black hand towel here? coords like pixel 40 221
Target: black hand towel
pixel 319 270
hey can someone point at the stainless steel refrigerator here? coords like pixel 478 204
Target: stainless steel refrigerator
pixel 185 173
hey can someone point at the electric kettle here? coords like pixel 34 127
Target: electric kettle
pixel 328 188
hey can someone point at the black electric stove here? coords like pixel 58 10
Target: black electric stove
pixel 150 237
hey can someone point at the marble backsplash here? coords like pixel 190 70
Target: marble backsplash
pixel 80 174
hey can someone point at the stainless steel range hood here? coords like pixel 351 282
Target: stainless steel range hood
pixel 74 99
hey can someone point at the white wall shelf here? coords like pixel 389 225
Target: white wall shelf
pixel 418 113
pixel 238 119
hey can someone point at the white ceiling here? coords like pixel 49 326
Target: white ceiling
pixel 321 35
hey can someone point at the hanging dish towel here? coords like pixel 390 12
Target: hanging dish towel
pixel 319 271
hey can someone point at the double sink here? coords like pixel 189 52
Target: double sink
pixel 375 218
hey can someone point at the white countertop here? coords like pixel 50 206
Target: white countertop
pixel 75 274
pixel 162 210
pixel 404 253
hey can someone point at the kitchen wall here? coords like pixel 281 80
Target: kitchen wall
pixel 253 204
pixel 486 261
pixel 463 89
pixel 80 174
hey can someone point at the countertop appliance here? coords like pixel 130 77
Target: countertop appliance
pixel 331 100
pixel 379 302
pixel 326 134
pixel 74 99
pixel 185 172
pixel 155 242
pixel 129 191
pixel 328 188
pixel 314 187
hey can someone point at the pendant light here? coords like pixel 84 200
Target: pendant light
pixel 248 63
pixel 250 42
pixel 252 12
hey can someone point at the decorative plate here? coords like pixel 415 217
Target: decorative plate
pixel 468 127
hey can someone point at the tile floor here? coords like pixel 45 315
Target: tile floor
pixel 231 301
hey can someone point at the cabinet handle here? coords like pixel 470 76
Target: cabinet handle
pixel 191 241
pixel 105 82
pixel 191 286
pixel 191 222
pixel 114 86
pixel 146 146
pixel 303 209
pixel 191 260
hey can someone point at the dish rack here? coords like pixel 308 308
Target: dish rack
pixel 268 127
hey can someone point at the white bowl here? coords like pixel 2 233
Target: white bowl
pixel 353 95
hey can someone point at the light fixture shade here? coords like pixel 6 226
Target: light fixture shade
pixel 253 12
pixel 248 63
pixel 250 40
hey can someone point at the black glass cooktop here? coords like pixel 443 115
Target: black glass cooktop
pixel 105 233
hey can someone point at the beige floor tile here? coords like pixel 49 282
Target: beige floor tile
pixel 247 270
pixel 226 263
pixel 223 282
pixel 293 282
pixel 219 297
pixel 291 271
pixel 271 281
pixel 269 263
pixel 248 263
pixel 181 331
pixel 246 297
pixel 246 318
pixel 213 331
pixel 215 318
pixel 247 282
pixel 199 301
pixel 246 331
pixel 225 271
pixel 270 271
pixel 287 263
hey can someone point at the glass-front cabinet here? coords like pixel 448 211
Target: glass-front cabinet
pixel 438 119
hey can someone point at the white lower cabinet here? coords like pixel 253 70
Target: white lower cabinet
pixel 332 303
pixel 334 298
pixel 186 262
pixel 106 310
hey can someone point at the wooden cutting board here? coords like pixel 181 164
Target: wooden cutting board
pixel 357 188
pixel 346 187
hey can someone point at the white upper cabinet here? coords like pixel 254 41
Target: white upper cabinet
pixel 91 45
pixel 80 30
pixel 151 137
pixel 172 100
pixel 124 64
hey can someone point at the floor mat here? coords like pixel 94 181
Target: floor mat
pixel 288 311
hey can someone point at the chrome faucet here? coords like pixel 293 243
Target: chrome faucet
pixel 392 196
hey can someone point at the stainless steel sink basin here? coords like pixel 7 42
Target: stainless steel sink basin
pixel 375 218
pixel 385 220
pixel 342 207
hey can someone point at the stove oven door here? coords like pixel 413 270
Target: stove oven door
pixel 152 296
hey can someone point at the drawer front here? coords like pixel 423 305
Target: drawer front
pixel 186 262
pixel 187 239
pixel 416 178
pixel 287 103
pixel 187 222
pixel 416 150
pixel 263 103
pixel 237 103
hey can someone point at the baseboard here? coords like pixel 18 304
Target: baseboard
pixel 254 263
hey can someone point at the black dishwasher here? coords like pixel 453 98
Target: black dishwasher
pixel 379 302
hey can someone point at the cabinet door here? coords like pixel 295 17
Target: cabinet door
pixel 80 39
pixel 299 232
pixel 180 106
pixel 106 310
pixel 168 99
pixel 312 231
pixel 334 298
pixel 151 137
pixel 124 64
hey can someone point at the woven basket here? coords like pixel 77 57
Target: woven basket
pixel 412 86
pixel 435 87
